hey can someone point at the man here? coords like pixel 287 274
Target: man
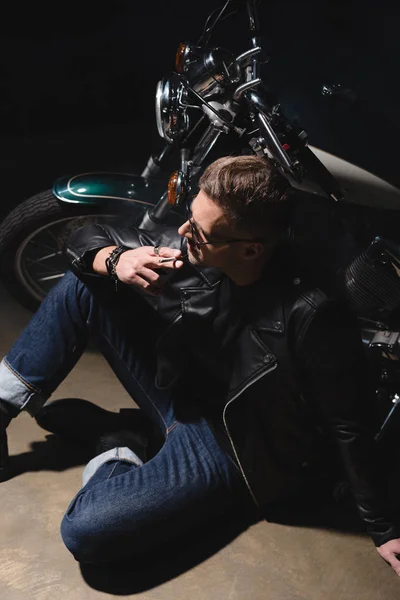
pixel 231 349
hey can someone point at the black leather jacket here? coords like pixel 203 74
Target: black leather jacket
pixel 298 371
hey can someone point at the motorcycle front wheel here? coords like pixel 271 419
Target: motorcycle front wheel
pixel 32 237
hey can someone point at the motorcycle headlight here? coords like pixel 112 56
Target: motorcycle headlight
pixel 171 114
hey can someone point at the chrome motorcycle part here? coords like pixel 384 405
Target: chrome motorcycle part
pixel 245 58
pixel 220 115
pixel 387 344
pixel 171 114
pixel 185 55
pixel 211 76
pixel 248 85
pixel 275 146
pixel 181 57
pixel 388 422
pixel 336 90
pixel 239 131
pixel 372 280
pixel 177 188
pixel 204 146
pixel 252 14
pixel 254 36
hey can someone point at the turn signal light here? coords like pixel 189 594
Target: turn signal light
pixel 180 57
pixel 173 188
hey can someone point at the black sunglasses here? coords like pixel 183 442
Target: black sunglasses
pixel 198 240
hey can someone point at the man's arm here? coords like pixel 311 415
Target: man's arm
pixel 83 243
pixel 336 381
pixel 89 247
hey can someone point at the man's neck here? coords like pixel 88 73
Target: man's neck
pixel 244 274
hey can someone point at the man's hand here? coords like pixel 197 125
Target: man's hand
pixel 389 552
pixel 139 267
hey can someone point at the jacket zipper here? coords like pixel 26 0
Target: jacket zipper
pixel 227 429
pixel 75 256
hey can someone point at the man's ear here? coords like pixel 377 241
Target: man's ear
pixel 253 250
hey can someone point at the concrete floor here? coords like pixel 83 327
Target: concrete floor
pixel 267 561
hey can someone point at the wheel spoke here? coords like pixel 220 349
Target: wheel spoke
pixel 58 276
pixel 42 258
pixel 40 245
pixel 51 234
pixel 42 268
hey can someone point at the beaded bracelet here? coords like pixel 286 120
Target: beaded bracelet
pixel 112 261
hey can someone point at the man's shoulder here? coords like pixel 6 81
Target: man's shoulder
pixel 307 290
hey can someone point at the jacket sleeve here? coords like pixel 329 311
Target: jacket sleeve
pixel 83 243
pixel 336 381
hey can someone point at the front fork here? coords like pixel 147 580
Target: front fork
pixel 190 165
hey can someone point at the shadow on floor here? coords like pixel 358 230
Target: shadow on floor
pixel 53 454
pixel 141 573
pixel 144 572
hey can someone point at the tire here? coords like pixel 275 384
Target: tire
pixel 31 241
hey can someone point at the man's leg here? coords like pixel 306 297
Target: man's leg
pixel 126 510
pixel 188 481
pixel 46 350
pixel 56 337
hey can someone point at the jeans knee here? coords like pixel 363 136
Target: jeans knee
pixel 89 532
pixel 79 539
pixel 71 295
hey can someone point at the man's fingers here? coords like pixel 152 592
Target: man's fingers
pixel 394 563
pixel 169 264
pixel 141 267
pixel 148 274
pixel 150 288
pixel 389 552
pixel 165 252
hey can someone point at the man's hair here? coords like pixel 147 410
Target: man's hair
pixel 252 193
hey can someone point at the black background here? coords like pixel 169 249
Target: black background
pixel 77 81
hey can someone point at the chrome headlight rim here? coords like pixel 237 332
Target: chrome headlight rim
pixel 171 113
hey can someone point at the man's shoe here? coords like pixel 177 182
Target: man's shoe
pixel 86 422
pixel 124 439
pixel 4 422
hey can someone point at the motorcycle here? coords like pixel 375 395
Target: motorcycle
pixel 215 103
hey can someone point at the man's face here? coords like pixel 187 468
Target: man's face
pixel 209 224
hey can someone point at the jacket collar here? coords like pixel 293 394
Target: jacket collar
pixel 266 309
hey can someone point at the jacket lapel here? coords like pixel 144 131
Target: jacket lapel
pixel 185 304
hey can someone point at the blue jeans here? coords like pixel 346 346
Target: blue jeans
pixel 124 508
